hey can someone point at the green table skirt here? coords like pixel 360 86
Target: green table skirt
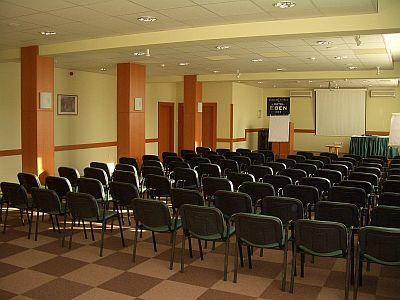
pixel 372 145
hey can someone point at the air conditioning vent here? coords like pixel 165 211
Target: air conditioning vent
pixel 307 94
pixel 383 93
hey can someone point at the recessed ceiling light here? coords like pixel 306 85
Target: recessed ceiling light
pixel 284 4
pixel 103 69
pixel 146 19
pixel 340 57
pixel 352 67
pixel 183 64
pixel 310 81
pixel 216 71
pixel 162 65
pixel 274 85
pixel 139 53
pixel 324 42
pixel 257 60
pixel 260 82
pixel 369 84
pixel 279 69
pixel 47 33
pixel 222 47
pixel 311 58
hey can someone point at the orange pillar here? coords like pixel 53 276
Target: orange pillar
pixel 192 131
pixel 131 80
pixel 37 123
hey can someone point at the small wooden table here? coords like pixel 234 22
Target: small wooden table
pixel 334 148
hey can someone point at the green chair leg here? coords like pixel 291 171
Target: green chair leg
pixel 135 243
pixel 236 262
pixel 120 229
pixel 226 260
pixel 84 229
pixel 29 224
pixel 183 253
pixel 37 225
pixel 5 219
pixel 70 237
pixel 293 270
pixel 64 230
pixel 103 230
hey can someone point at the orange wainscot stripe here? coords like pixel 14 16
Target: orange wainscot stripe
pixel 85 146
pixel 155 140
pixel 10 152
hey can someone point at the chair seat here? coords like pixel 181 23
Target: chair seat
pixel 64 209
pixel 217 237
pixel 103 215
pixel 28 205
pixel 166 228
pixel 329 254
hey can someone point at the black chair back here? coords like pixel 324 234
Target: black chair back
pixel 205 170
pixel 276 166
pixel 151 214
pixel 96 173
pixel 239 178
pixel 332 175
pixel 325 159
pixel 184 196
pixel 294 174
pixel 186 178
pixel 82 206
pixel 103 166
pixel 150 157
pixel 13 193
pixel 345 213
pixel 160 186
pixel 126 177
pixel 46 201
pixel 309 168
pixel 277 181
pixel 318 163
pixel 284 208
pixel 346 194
pixel 389 199
pixel 268 154
pixel 125 167
pixel 166 154
pixel 71 174
pixel 306 194
pixel 194 162
pixel 332 156
pixel 123 193
pixel 306 154
pixel 257 158
pixel 168 159
pixel 213 184
pixel 391 186
pixel 129 161
pixel 177 164
pixel 297 158
pixel 371 178
pixel 153 163
pixel 259 171
pixel 222 151
pixel 230 203
pixel 289 163
pixel 385 216
pixel 369 170
pixel 322 184
pixel 151 170
pixel 92 187
pixel 257 190
pixel 202 150
pixel 343 169
pixel 243 161
pixel 28 181
pixel 228 165
pixel 60 185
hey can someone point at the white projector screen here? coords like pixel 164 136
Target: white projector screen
pixel 340 112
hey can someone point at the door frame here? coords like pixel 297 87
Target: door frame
pixel 171 106
pixel 215 125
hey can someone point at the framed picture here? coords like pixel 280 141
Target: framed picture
pixel 138 105
pixel 67 104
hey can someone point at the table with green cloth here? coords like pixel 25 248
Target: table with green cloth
pixel 372 145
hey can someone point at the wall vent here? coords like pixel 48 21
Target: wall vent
pixel 383 93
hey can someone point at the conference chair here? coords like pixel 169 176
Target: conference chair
pixel 319 164
pixel 153 163
pixel 210 153
pixel 394 171
pixel 369 177
pixel 154 216
pixel 308 195
pixel 243 151
pixel 16 196
pixel 103 166
pixel 230 154
pixel 332 175
pixel 189 155
pixel 129 161
pixel 167 160
pixel 150 157
pixel 151 170
pixel 177 164
pixel 259 171
pixel 228 166
pixel 373 160
pixel 385 216
pixel 276 166
pixel 268 154
pixel 369 170
pixel 60 185
pixel 343 169
pixel 393 177
pixel 324 239
pixel 257 191
pixel 239 178
pixel 358 158
pixel 28 181
pixel 122 196
pixel 202 150
pixel 324 159
pixel 83 207
pixel 126 177
pixel 48 202
pixel 166 154
pixel 306 154
pixel 222 151
pixel 297 158
pixel 309 168
pixel 322 184
pixel 372 165
pixel 158 186
pixel 265 232
pixel 97 173
pixel 214 158
pixel 243 161
pixel 350 166
pixel 351 160
pixel 332 156
pixel 194 162
pixel 391 186
pixel 257 158
pixel 294 174
pixel 186 178
pixel 125 167
pixel 94 188
pixel 208 224
pixel 71 174
pixel 213 184
pixel 289 163
pixel 278 182
pixel 389 199
pixel 365 185
pixel 205 170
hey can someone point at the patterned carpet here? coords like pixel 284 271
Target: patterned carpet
pixel 43 270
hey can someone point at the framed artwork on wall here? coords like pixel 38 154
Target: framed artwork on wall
pixel 67 104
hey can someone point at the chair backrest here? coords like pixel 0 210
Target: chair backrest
pixel 172 165
pixel 294 174
pixel 243 161
pixel 125 167
pixel 257 158
pixel 186 178
pixel 129 161
pixel 289 163
pixel 322 184
pixel 379 244
pixel 385 216
pixel 202 150
pixel 184 196
pixel 325 159
pixel 46 200
pixel 345 194
pixel 189 156
pixel 373 160
pixel 230 203
pixel 214 158
pixel 297 158
pixel 343 169
pixel 71 174
pixel 285 208
pixel 309 168
pixel 202 221
pixel 372 178
pixel 96 173
pixel 228 165
pixel 393 177
pixel 243 151
pixel 332 175
pixel 268 154
pixel 318 163
pixel 321 237
pixel 82 205
pixel 160 185
pixel 213 184
pixel 150 157
pixel 151 170
pixel 393 171
pixel 222 151
pixel 348 164
pixel 259 171
pixel 332 156
pixel 277 181
pixel 166 154
pixel 258 230
pixel 351 160
pixel 14 193
pixel 306 154
pixel 276 166
pixel 365 185
pixel 372 165
pixel 167 160
pixel 28 180
pixel 123 193
pixel 153 163
pixel 257 190
pixel 151 214
pixel 60 185
pixel 389 198
pixel 369 170
pixel 212 170
pixel 103 166
pixel 391 186
pixel 194 162
pixel 126 176
pixel 354 156
pixel 305 193
pixel 383 158
pixel 210 153
pixel 345 213
pixel 185 152
pixel 91 186
pixel 238 178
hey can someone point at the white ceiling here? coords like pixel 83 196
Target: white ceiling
pixel 22 20
pixel 204 58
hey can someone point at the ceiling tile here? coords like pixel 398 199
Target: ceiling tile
pixel 244 7
pixel 163 4
pixel 42 5
pixel 44 19
pixel 187 13
pixel 11 10
pixel 117 7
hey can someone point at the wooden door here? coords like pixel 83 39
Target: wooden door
pixel 209 136
pixel 165 127
pixel 180 127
